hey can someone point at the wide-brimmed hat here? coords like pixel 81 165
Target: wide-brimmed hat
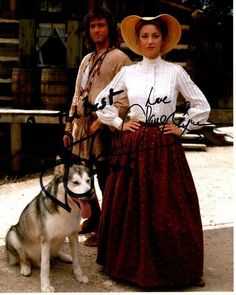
pixel 128 24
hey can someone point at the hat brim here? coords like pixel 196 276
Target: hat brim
pixel 128 24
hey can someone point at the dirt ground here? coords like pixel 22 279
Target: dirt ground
pixel 213 174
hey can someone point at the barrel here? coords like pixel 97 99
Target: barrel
pixel 23 87
pixel 54 88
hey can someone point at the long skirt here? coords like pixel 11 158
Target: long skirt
pixel 150 231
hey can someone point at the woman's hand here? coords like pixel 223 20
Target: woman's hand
pixel 171 128
pixel 132 125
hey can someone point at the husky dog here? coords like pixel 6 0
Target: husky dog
pixel 44 224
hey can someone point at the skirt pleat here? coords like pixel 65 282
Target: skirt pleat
pixel 150 229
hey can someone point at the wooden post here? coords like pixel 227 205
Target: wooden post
pixel 13 5
pixel 74 44
pixel 27 43
pixel 91 4
pixel 16 146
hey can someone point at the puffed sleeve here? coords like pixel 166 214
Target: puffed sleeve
pixel 107 98
pixel 75 99
pixel 199 108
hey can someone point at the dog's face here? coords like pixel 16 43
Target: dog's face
pixel 80 181
pixel 80 187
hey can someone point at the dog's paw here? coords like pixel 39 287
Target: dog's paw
pixel 47 289
pixel 82 278
pixel 25 270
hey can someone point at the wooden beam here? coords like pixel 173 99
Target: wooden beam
pixel 223 117
pixel 31 116
pixel 91 4
pixel 27 42
pixel 178 6
pixel 74 44
pixel 16 146
pixel 194 146
pixel 12 5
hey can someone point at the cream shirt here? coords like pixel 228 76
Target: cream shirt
pixel 152 87
pixel 111 65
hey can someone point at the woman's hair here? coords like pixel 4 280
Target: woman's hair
pixel 100 12
pixel 159 23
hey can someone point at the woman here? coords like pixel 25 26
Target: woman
pixel 150 229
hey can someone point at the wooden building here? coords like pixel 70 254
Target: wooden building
pixel 41 45
pixel 48 34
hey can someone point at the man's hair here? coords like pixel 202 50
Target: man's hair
pixel 100 12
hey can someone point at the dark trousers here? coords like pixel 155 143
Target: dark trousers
pixel 102 168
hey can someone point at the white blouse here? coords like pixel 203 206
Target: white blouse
pixel 152 87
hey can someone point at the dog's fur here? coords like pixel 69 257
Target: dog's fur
pixel 43 227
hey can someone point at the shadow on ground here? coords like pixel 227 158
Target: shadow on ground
pixel 218 272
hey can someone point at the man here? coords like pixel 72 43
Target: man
pixel 96 70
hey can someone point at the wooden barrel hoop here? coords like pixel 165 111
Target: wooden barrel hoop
pixel 23 87
pixel 54 88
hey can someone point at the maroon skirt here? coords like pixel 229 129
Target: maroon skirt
pixel 150 229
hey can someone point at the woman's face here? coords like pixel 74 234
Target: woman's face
pixel 150 41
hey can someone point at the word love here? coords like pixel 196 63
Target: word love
pixel 157 100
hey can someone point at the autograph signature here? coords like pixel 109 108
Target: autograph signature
pixel 150 118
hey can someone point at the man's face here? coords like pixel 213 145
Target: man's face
pixel 99 30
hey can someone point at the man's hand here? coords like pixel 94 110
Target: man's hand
pixel 67 140
pixel 96 125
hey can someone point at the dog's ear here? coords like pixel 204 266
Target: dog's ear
pixel 59 167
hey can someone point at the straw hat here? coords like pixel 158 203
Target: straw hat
pixel 128 24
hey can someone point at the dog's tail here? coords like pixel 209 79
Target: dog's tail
pixel 13 257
